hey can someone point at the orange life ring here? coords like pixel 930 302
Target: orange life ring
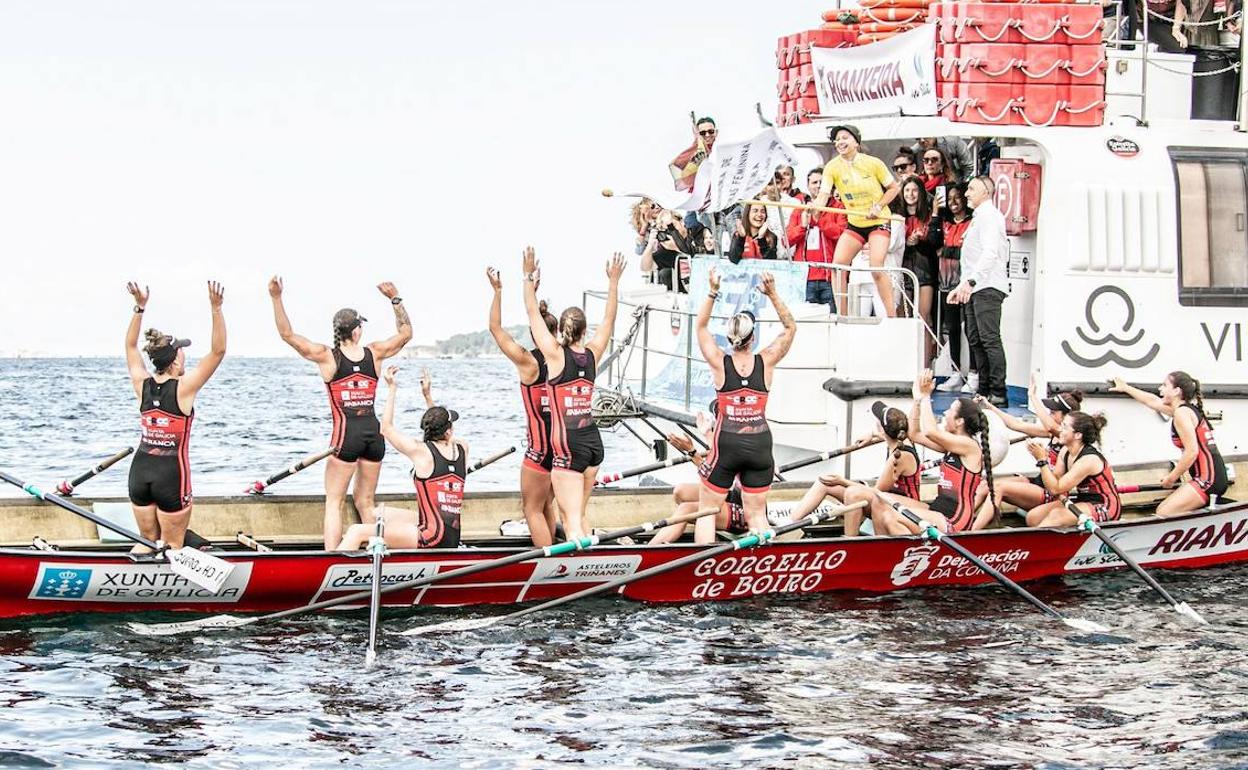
pixel 834 25
pixel 900 15
pixel 875 37
pixel 895 4
pixel 878 28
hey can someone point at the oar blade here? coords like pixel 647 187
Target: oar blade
pixel 370 659
pixel 1087 626
pixel 190 626
pixel 452 626
pixel 1185 609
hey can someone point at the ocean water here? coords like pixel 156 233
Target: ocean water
pixel 970 678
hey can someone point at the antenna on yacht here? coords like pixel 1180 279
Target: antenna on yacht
pixel 758 108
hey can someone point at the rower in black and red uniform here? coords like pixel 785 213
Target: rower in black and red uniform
pixel 350 373
pixel 901 474
pixel 741 446
pixel 1081 472
pixel 572 366
pixel 1179 397
pixel 160 474
pixel 536 495
pixel 963 438
pixel 439 465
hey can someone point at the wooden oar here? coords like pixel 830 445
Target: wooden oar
pixel 608 478
pixel 377 547
pixel 235 621
pixel 1087 524
pixel 854 447
pixel 745 541
pixel 491 459
pixel 202 569
pixel 809 207
pixel 930 532
pixel 1126 489
pixel 258 487
pixel 66 488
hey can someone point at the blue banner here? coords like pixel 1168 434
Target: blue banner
pixel 738 291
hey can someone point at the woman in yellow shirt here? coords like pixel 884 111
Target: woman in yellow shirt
pixel 866 187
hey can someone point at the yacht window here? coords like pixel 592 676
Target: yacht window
pixel 1213 231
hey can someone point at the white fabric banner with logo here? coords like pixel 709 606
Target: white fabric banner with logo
pixel 879 78
pixel 737 171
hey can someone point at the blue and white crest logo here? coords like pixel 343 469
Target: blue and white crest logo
pixel 62 583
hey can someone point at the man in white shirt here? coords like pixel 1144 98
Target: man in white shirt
pixel 985 284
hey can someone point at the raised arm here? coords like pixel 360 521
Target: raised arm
pixel 546 341
pixel 701 325
pixel 193 380
pixel 402 323
pixel 134 359
pixel 411 448
pixel 514 351
pixel 1037 408
pixel 426 388
pixel 779 347
pixel 312 351
pixel 923 426
pixel 602 337
pixel 1150 400
pixel 1033 429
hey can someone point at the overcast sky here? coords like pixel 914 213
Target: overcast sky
pixel 341 144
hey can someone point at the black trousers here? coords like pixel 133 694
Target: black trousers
pixel 983 332
pixel 952 319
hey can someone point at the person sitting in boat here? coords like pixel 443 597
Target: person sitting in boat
pixel 742 447
pixel 572 365
pixel 1179 397
pixel 731 515
pixel 1027 493
pixel 1081 472
pixel 439 465
pixel 349 370
pixel 536 496
pixel 963 438
pixel 866 187
pixel 900 474
pixel 160 475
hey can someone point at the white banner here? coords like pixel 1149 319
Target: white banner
pixel 879 78
pixel 738 170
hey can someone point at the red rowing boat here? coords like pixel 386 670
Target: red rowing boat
pixel 38 582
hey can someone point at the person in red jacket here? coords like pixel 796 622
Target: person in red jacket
pixel 814 235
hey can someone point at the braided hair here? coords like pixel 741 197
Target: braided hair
pixel 572 326
pixel 976 422
pixel 339 338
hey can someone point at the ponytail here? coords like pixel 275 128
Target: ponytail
pixel 1189 388
pixel 976 422
pixel 338 338
pixel 1088 426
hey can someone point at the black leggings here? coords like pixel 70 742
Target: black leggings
pixel 951 320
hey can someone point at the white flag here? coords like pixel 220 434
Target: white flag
pixel 737 171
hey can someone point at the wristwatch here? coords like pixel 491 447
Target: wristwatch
pixel 139 309
pixel 970 282
pixel 1042 463
pixel 396 300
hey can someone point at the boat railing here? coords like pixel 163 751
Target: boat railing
pixel 858 300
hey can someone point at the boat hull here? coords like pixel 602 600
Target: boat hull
pixel 42 582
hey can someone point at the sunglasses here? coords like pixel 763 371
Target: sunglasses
pixel 902 166
pixel 931 160
pixel 707 132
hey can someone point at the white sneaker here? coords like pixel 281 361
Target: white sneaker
pixel 951 384
pixel 972 383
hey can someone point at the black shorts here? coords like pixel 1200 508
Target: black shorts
pixel 925 270
pixel 739 456
pixel 361 440
pixel 539 461
pixel 863 234
pixel 584 451
pixel 160 481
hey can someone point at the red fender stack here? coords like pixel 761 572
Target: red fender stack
pixel 1034 63
pixel 795 86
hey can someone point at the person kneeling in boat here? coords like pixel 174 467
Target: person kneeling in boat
pixel 729 518
pixel 900 475
pixel 963 438
pixel 1190 431
pixel 1081 472
pixel 439 464
pixel 1027 493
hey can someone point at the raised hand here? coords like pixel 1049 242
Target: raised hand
pixel 216 294
pixel 529 260
pixel 768 286
pixel 615 267
pixel 495 279
pixel 712 278
pixel 140 295
pixel 391 376
pixel 275 286
pixel 387 290
pixel 426 381
pixel 1117 385
pixel 925 384
pixel 1037 451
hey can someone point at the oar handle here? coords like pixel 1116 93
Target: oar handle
pixel 61 502
pixel 491 459
pixel 829 209
pixel 67 487
pixel 1125 489
pixel 258 487
pixel 1087 524
pixel 831 454
pixel 608 478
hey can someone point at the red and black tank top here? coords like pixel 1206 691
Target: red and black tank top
pixel 1099 488
pixel 1054 450
pixel 572 391
pixel 909 485
pixel 536 398
pixel 1208 465
pixel 742 401
pixel 353 390
pixel 440 497
pixel 955 492
pixel 166 431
